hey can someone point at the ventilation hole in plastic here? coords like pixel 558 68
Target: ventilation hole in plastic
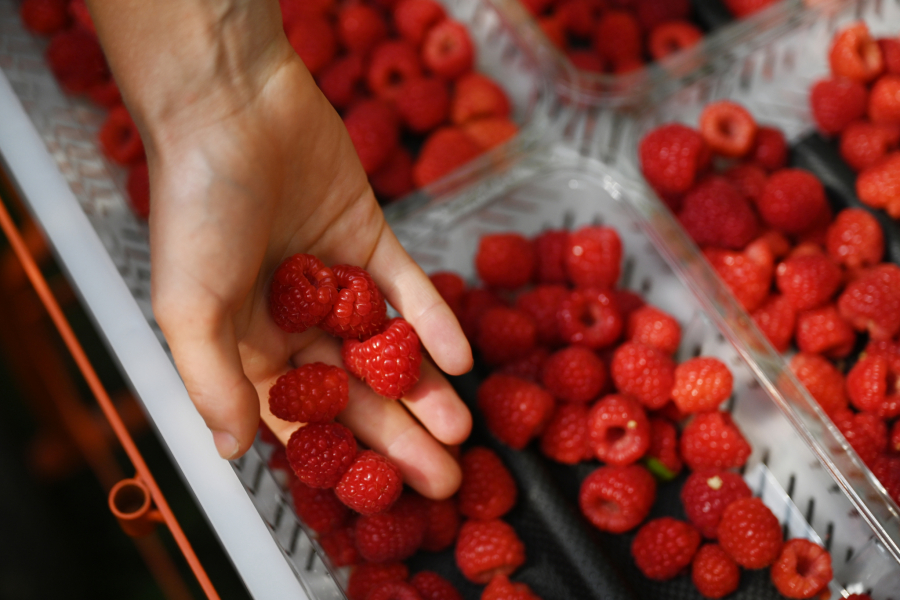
pixel 765 457
pixel 810 510
pixel 568 221
pixel 786 531
pixel 834 489
pixel 729 406
pixel 279 513
pixel 790 486
pixel 310 559
pixel 598 221
pixel 295 537
pixel 720 338
pixel 696 350
pixel 627 272
pixel 646 286
pixel 257 479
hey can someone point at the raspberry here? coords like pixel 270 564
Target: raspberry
pixel 338 81
pixel 872 302
pixel 550 256
pixel 389 361
pixel 392 64
pixel 488 548
pixel 395 178
pixel 105 94
pixel 423 103
pixel 750 533
pixel 714 573
pixel 779 245
pixel 770 150
pixel 555 29
pixel 837 102
pixel 505 334
pixel 855 55
pixel 574 374
pixel 748 179
pixel 865 432
pixel 580 17
pixel 536 7
pixel 628 65
pixel 747 275
pixel 617 498
pixel 672 157
pixel 617 37
pixel 392 535
pixel 872 387
pixel 313 39
pixel 372 126
pixel 743 8
pixel 359 310
pixel 728 128
pixel 879 185
pixel 586 60
pixel 44 17
pixel 515 410
pixel 77 61
pixel 451 287
pixel 476 97
pixel 863 144
pixel 445 150
pixel 319 509
pixel 643 372
pixel 855 239
pixel 887 469
pixel 432 586
pixel 808 281
pixel 340 546
pixel 371 485
pixel 505 260
pixel 590 317
pixel 712 441
pixel 594 257
pixel 618 430
pixel 488 490
pixel 78 10
pixel 360 27
pixel 293 11
pixel 447 50
pixel 671 37
pixel 529 367
pixel 664 547
pixel 490 132
pixel 321 453
pixel 138 188
pixel 791 201
pixel 802 570
pixel 701 384
pixel 890 52
pixel 414 18
pixel 541 304
pixel 705 495
pixel 884 100
pixel 501 588
pixel 303 292
pixel 714 213
pixel 650 326
pixel 662 456
pixel 394 590
pixel 309 394
pixel 280 466
pixel 628 302
pixel 565 439
pixel 442 519
pixel 823 331
pixel 822 379
pixel 889 349
pixel 367 576
pixel 475 302
pixel 776 318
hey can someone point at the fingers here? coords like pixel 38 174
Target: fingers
pixel 410 291
pixel 434 403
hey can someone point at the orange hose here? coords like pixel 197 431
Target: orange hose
pixel 62 325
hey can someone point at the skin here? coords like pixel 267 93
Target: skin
pixel 250 164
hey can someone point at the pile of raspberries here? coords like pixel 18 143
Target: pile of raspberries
pixel 620 36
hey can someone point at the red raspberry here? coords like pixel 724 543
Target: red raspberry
pixel 890 53
pixel 319 509
pixel 340 546
pixel 580 17
pixel 770 150
pixel 618 430
pixel 855 239
pixel 887 469
pixel 728 128
pixel 373 129
pixel 747 274
pixel 628 65
pixel 650 326
pixel 565 439
pixel 423 103
pixel 586 60
pixel 515 410
pixel 442 518
pixel 628 302
pixel 808 281
pixel 705 495
pixel 713 441
pixel 664 547
pixel 392 535
pixel 309 394
pixel 451 287
pixel 44 17
pixel 865 432
pixel 505 260
pixel 594 257
pixel 138 188
pixel 574 374
pixel 776 318
pixel 78 10
pixel 855 55
pixel 395 177
pixel 779 245
pixel 617 37
pixel 802 570
pixel 643 372
pixel 488 490
pixel 314 40
pixel 77 61
pixel 501 588
pixel 447 50
pixel 889 349
pixel 359 310
pixel 714 213
pixel 872 387
pixel 476 97
pixel 414 18
pixel 394 590
pixel 366 577
pixel 672 157
pixel 536 7
pixel 743 8
pixel 617 498
pixel 749 179
pixel 822 379
pixel 554 28
pixel 714 573
pixel 750 533
pixel 894 442
pixel 590 317
pixel 863 144
pixel 872 302
pixel 303 292
pixel 671 37
pixel 389 361
pixel 701 384
pixel 651 13
pixel 542 304
pixel 488 548
pixel 662 458
pixel 321 453
pixel 445 150
pixel 879 185
pixel 338 81
pixel 293 11
pixel 392 64
pixel 823 331
pixel 505 334
pixel 360 27
pixel 280 466
pixel 491 132
pixel 792 200
pixel 106 94
pixel 550 256
pixel 837 102
pixel 884 100
pixel 432 586
pixel 475 302
pixel 529 367
pixel 371 485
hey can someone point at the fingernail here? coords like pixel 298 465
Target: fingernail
pixel 226 444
